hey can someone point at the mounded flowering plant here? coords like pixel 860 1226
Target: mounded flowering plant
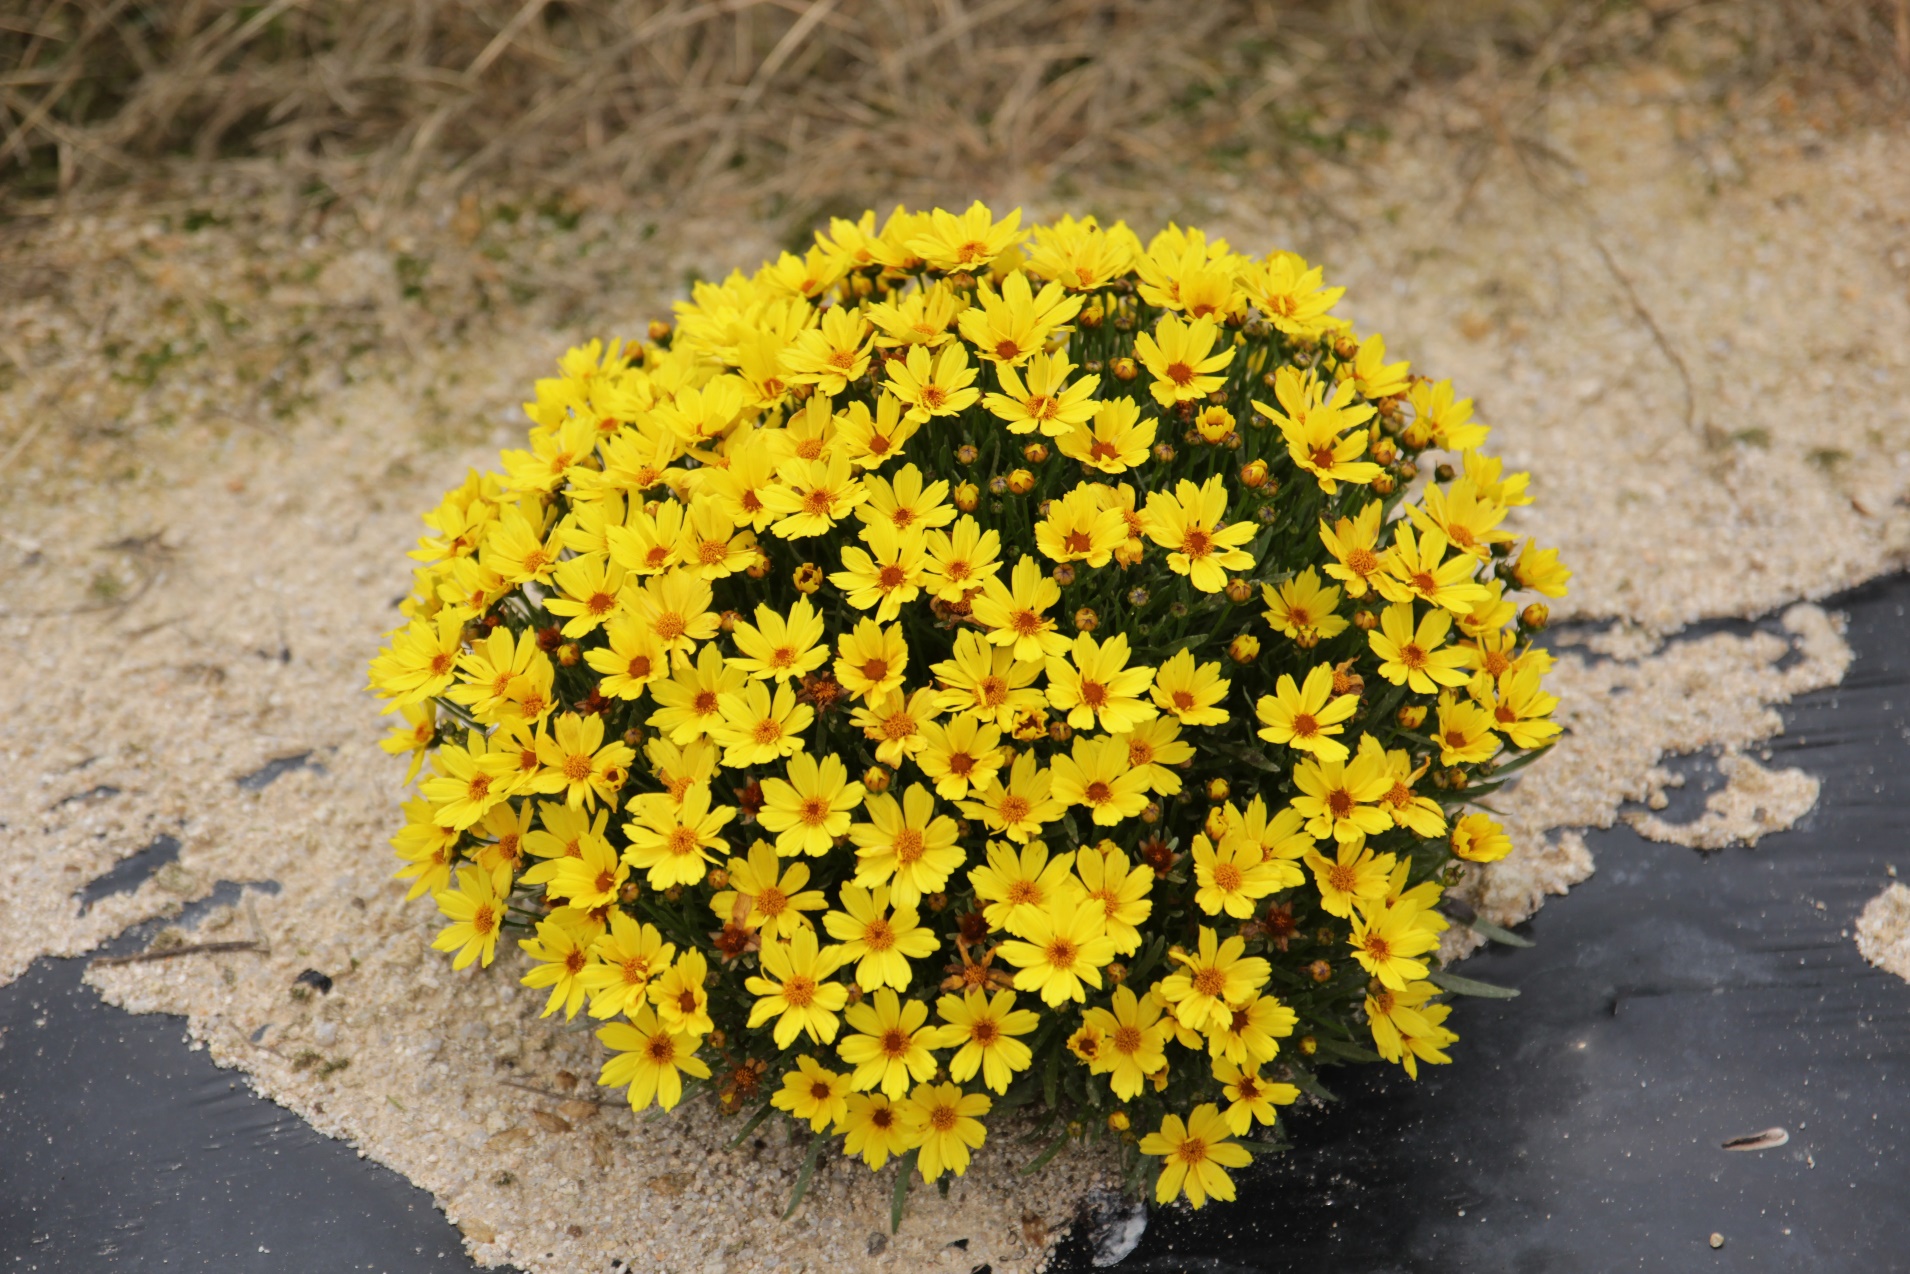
pixel 970 667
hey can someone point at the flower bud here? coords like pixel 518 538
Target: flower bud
pixel 876 779
pixel 1365 620
pixel 758 567
pixel 1254 474
pixel 1383 483
pixel 967 496
pixel 1384 452
pixel 1444 473
pixel 1130 553
pixel 719 878
pixel 1178 610
pixel 1244 649
pixel 1218 790
pixel 1320 971
pixel 1092 317
pixel 1123 368
pixel 1151 813
pixel 659 331
pixel 1308 1045
pixel 998 485
pixel 808 577
pixel 1306 638
pixel 1118 1121
pixel 633 737
pixel 1115 973
pixel 570 654
pixel 1215 424
pixel 1239 591
pixel 1137 596
pixel 1086 621
pixel 1535 617
pixel 966 453
pixel 728 620
pixel 1021 482
pixel 1060 731
pixel 1408 471
pixel 937 901
pixel 1164 452
pixel 1411 716
pixel 1035 452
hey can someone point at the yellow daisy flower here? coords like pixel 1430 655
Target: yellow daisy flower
pixel 1153 749
pixel 874 1129
pixel 1097 776
pixel 578 763
pixel 1195 1153
pixel 830 355
pixel 674 842
pixel 810 1092
pixel 1020 808
pixel 1180 359
pixel 1188 523
pixel 1133 1040
pixel 812 496
pixel 882 942
pixel 758 728
pixel 1339 799
pixel 1353 876
pixel 1045 400
pixel 870 659
pixel 476 914
pixel 794 989
pixel 1017 617
pixel 1191 691
pixel 906 846
pixel 931 385
pixel 906 506
pixel 897 724
pixel 945 1124
pixel 1464 732
pixel 1406 1027
pixel 1306 718
pixel 1251 1099
pixel 625 958
pixel 872 440
pixel 982 1031
pixel 1354 544
pixel 782 649
pixel 466 782
pixel 1442 422
pixel 1116 439
pixel 1303 608
pixel 1063 947
pixel 890 1045
pixel 990 682
pixel 1007 327
pixel 676 610
pixel 764 896
pixel 1212 979
pixel 681 1000
pixel 960 755
pixel 1540 570
pixel 886 578
pixel 1017 887
pixel 1120 889
pixel 1386 940
pixel 651 1059
pixel 1417 567
pixel 1079 528
pixel 1095 687
pixel 1413 657
pixel 561 948
pixel 1232 877
pixel 690 700
pixel 1419 814
pixel 969 242
pixel 1478 838
pixel 1251 1032
pixel 633 659
pixel 810 808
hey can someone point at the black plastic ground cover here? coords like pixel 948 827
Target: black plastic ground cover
pixel 1674 1001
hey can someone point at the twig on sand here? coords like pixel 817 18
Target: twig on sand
pixel 194 948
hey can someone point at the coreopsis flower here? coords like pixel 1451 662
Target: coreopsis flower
pixel 648 544
pixel 1080 255
pixel 1409 809
pixel 782 648
pixel 1120 889
pixel 758 727
pixel 1355 875
pixel 680 997
pixel 1179 356
pixel 811 807
pixel 1416 567
pixel 767 896
pixel 1521 711
pixel 1371 374
pixel 906 846
pixel 989 681
pixel 1251 1099
pixel 1020 808
pixel 1232 876
pixel 1540 570
pixel 1016 615
pixel 561 947
pixel 831 354
pixel 982 1032
pixel 624 959
pixel 1097 776
pixel 1339 799
pixel 794 989
pixel 812 496
pixel 1448 425
pixel 814 1094
pixel 1133 1035
pixel 1354 544
pixel 1414 656
pixel 676 610
pixel 1386 940
pixel 960 561
pixel 1095 686
pixel 1250 1033
pixel 945 1123
pixel 967 242
pixel 652 1059
pixel 578 763
pixel 1009 326
pixel 1190 691
pixel 1195 1152
pixel 421 661
pixel 1304 608
pixel 1080 528
pixel 690 702
pixel 1307 717
pixel 632 659
pixel 898 724
pixel 888 576
pixel 871 659
pixel 467 782
pixel 874 1129
pixel 925 316
pixel 1211 979
pixel 1018 886
pixel 1201 546
pixel 889 1043
pixel 1292 294
pixel 518 548
pixel 872 439
pixel 1477 838
pixel 1464 732
pixel 1062 951
pixel 931 385
pixel 1113 438
pixel 880 940
pixel 476 914
pixel 1044 399
pixel 1407 1028
pixel 1322 436
pixel 674 841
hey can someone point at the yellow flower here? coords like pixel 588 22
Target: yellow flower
pixel 690 701
pixel 1133 1040
pixel 982 1032
pixel 933 385
pixel 1521 710
pixel 648 544
pixel 518 549
pixel 794 991
pixel 923 317
pixel 761 898
pixel 1022 807
pixel 1413 657
pixel 1008 326
pixel 500 673
pixel 1316 431
pixel 1339 799
pixel 811 808
pixel 421 661
pixel 1355 875
pixel 1354 544
pixel 782 649
pixel 1080 255
pixel 561 948
pixel 1406 1028
pixel 890 1045
pixel 831 355
pixel 882 942
pixel 960 561
pixel 1195 1152
pixel 1464 732
pixel 1251 1031
pixel 1153 748
pixel 1116 441
pixel 1307 717
pixel 886 579
pixel 989 683
pixel 870 660
pixel 679 997
pixel 1416 567
pixel 906 506
pixel 1292 296
pixel 587 592
pixel 906 846
pixel 1017 617
pixel 679 768
pixel 1064 947
pixel 1478 838
pixel 1179 357
pixel 1252 1098
pixel 1283 836
pixel 875 1129
pixel 969 242
pixel 1212 980
pixel 738 492
pixel 1045 401
pixel 1189 691
pixel 1486 473
pixel 1120 889
pixel 812 1093
pixel 676 610
pixel 1468 521
pixel 1304 608
pixel 633 659
pixel 1232 877
pixel 1448 425
pixel 1385 941
pixel 1098 688
pixel 1188 523
pixel 673 842
pixel 897 724
pixel 959 756
pixel 578 763
pixel 870 441
pixel 1079 528
pixel 1097 776
pixel 625 959
pixel 1017 888
pixel 651 1059
pixel 476 914
pixel 945 1123
pixel 1540 570
pixel 812 496
pixel 757 728
pixel 467 782
pixel 1371 374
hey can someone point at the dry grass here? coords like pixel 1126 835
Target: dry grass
pixel 808 102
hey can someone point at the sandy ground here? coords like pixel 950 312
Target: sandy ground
pixel 1684 319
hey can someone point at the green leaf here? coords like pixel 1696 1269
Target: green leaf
pixel 802 1178
pixel 1467 986
pixel 1306 1083
pixel 1486 929
pixel 1343 1051
pixel 750 1127
pixel 905 1170
pixel 1257 1148
pixel 1040 1161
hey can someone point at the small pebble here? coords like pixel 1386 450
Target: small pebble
pixel 1717 1240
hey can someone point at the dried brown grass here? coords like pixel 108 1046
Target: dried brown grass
pixel 807 101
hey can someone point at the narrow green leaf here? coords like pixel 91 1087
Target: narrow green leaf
pixel 905 1169
pixel 1486 929
pixel 1258 1148
pixel 1345 1052
pixel 754 1121
pixel 1050 1077
pixel 1467 986
pixel 1040 1161
pixel 802 1178
pixel 1306 1083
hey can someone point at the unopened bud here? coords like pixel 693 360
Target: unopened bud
pixel 876 779
pixel 1535 617
pixel 967 496
pixel 1411 716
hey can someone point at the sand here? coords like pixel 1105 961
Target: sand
pixel 1678 315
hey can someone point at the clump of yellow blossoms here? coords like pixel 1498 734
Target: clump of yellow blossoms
pixel 967 667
